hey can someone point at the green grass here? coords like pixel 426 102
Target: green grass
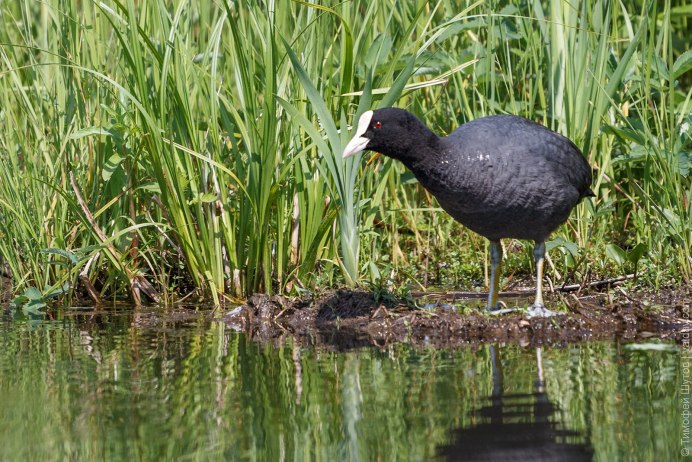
pixel 206 139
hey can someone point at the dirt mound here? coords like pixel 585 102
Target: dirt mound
pixel 345 319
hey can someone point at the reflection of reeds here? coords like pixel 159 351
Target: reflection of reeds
pixel 108 383
pixel 206 138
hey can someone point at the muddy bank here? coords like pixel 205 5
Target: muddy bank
pixel 345 319
pixel 5 289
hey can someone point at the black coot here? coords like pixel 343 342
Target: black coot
pixel 501 176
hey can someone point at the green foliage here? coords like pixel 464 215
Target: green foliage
pixel 206 139
pixel 621 256
pixel 33 299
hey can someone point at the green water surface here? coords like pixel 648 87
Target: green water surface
pixel 120 384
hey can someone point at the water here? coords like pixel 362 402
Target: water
pixel 118 385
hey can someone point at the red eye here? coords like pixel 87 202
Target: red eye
pixel 377 125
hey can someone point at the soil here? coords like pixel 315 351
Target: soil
pixel 345 319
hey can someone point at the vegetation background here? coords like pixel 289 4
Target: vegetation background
pixel 166 146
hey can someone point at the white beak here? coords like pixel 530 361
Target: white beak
pixel 359 142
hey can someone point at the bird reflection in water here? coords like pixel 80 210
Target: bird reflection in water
pixel 521 427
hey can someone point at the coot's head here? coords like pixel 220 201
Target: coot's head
pixel 393 132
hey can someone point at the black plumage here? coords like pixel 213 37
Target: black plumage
pixel 501 176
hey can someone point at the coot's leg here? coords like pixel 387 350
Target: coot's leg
pixel 495 268
pixel 494 307
pixel 538 309
pixel 539 255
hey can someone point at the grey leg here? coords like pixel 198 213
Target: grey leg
pixel 538 309
pixel 495 269
pixel 539 256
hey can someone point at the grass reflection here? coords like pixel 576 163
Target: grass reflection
pixel 107 386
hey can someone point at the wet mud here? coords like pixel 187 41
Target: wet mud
pixel 345 319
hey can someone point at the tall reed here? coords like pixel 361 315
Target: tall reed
pixel 206 139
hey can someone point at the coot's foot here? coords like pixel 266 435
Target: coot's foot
pixel 500 309
pixel 538 310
